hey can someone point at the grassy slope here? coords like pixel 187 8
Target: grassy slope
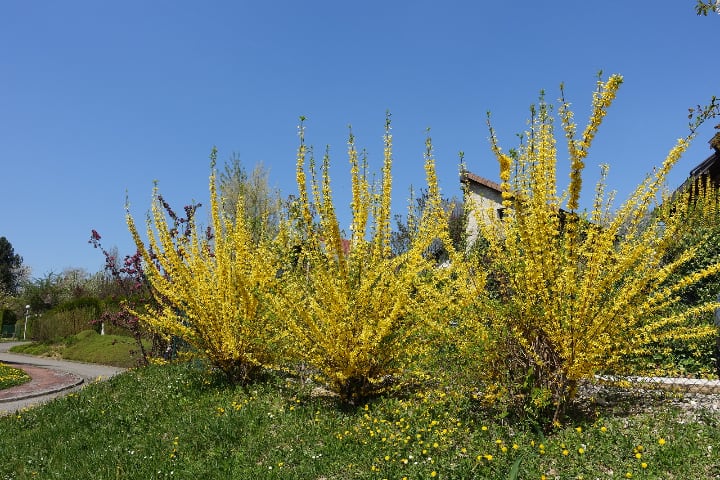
pixel 89 346
pixel 179 421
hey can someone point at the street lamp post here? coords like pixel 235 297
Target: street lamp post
pixel 27 314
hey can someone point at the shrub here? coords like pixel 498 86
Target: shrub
pixel 86 334
pixel 55 325
pixel 576 292
pixel 7 317
pixel 697 205
pixel 357 314
pixel 210 287
pixel 91 303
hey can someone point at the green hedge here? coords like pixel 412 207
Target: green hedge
pixel 55 325
pixel 7 317
pixel 7 323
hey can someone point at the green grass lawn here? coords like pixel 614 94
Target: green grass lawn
pixel 181 421
pixel 88 346
pixel 11 377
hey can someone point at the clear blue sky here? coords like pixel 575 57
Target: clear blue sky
pixel 101 98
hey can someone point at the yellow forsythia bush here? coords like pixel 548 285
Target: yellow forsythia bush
pixel 574 291
pixel 356 314
pixel 211 289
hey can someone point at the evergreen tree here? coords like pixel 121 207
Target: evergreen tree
pixel 10 264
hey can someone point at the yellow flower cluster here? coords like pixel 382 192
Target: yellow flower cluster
pixel 578 291
pixel 356 313
pixel 348 309
pixel 10 377
pixel 571 292
pixel 211 292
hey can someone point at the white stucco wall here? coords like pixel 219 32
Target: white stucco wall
pixel 484 201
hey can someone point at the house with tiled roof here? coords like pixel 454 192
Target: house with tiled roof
pixel 484 195
pixel 708 169
pixel 481 195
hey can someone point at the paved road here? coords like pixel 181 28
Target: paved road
pixel 87 372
